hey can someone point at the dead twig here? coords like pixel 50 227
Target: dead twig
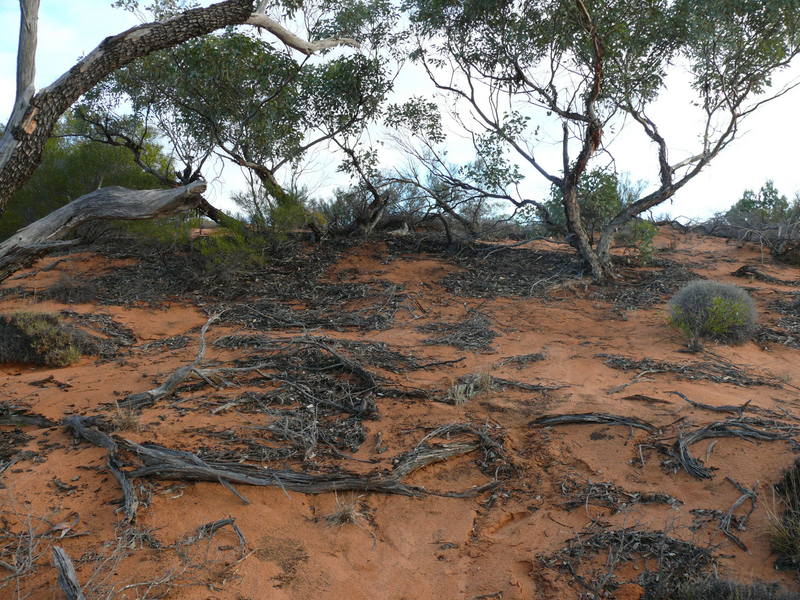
pixel 150 397
pixel 166 463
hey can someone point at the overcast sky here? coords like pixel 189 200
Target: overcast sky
pixel 767 148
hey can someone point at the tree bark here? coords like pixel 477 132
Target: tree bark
pixel 581 240
pixel 40 237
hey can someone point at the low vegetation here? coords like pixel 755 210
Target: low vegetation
pixel 712 310
pixel 785 523
pixel 718 589
pixel 37 338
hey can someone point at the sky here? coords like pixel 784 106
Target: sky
pixel 766 148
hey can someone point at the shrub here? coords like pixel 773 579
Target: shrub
pixel 713 310
pixel 469 387
pixel 639 234
pixel 37 338
pixel 784 528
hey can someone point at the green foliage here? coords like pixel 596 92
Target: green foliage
pixel 231 251
pixel 37 338
pixel 598 198
pixel 766 206
pixel 227 251
pixel 233 94
pixel 713 310
pixel 639 234
pixel 287 215
pixel 68 170
pixel 173 233
pixel 579 71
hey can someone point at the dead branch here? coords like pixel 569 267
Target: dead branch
pixel 581 493
pixel 293 41
pixel 752 272
pixel 725 522
pixel 67 579
pixel 532 387
pixel 11 416
pixel 41 236
pixel 166 463
pixel 735 410
pixel 348 364
pixel 741 427
pixel 209 529
pixel 150 397
pixel 130 503
pixel 592 419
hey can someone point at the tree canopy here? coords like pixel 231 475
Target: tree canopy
pixel 589 67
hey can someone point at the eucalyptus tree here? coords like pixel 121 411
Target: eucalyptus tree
pixel 590 66
pixel 253 105
pixel 36 112
pixel 177 22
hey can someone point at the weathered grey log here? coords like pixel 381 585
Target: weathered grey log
pixel 591 419
pixel 741 427
pixel 21 418
pixel 130 502
pixel 67 579
pixel 106 203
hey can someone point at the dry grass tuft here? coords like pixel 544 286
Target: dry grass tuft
pixel 470 386
pixel 125 418
pixel 784 527
pixel 347 512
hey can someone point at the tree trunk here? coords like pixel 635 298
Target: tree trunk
pixel 601 270
pixel 40 237
pixel 35 115
pixel 372 214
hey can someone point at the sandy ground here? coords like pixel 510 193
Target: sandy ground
pixel 398 547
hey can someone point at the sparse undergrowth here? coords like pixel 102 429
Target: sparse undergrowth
pixel 718 589
pixel 468 387
pixel 37 338
pixel 785 525
pixel 713 310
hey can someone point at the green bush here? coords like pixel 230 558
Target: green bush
pixel 639 234
pixel 69 169
pixel 231 250
pixel 37 338
pixel 713 310
pixel 599 200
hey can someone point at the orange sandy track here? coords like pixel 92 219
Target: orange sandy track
pixel 404 548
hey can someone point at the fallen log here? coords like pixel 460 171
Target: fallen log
pixel 741 427
pixel 42 236
pixel 749 271
pixel 592 419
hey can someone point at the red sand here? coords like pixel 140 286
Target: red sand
pixel 405 548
